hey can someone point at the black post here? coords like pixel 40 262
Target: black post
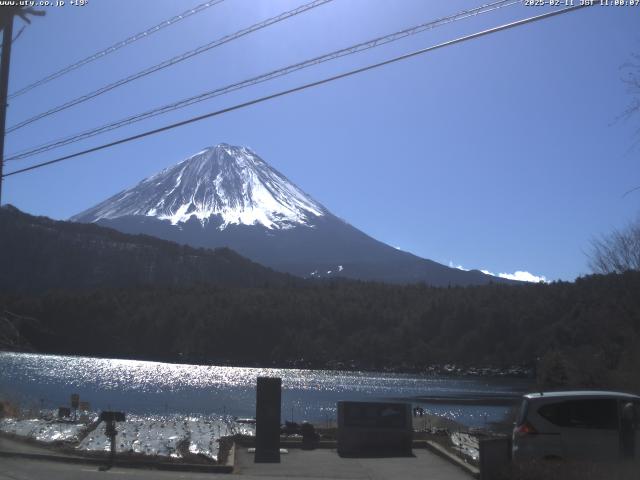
pixel 110 419
pixel 111 433
pixel 4 87
pixel 268 407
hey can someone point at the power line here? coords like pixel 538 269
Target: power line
pixel 172 61
pixel 263 78
pixel 7 16
pixel 117 46
pixel 302 87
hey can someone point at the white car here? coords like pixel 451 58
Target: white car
pixel 577 425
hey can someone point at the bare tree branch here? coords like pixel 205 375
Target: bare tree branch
pixel 617 252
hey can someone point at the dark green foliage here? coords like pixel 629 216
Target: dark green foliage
pixel 37 253
pixel 83 289
pixel 585 333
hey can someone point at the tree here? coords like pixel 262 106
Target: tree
pixel 617 252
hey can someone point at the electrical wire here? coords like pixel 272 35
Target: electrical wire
pixel 116 46
pixel 303 87
pixel 172 61
pixel 263 78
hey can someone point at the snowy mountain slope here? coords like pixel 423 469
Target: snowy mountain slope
pixel 228 196
pixel 230 184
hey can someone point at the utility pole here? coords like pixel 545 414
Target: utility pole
pixel 7 34
pixel 6 24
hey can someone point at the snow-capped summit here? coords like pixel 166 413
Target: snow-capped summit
pixel 229 184
pixel 226 196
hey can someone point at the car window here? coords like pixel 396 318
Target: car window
pixel 636 414
pixel 595 413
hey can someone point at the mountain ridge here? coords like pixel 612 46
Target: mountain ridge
pixel 228 196
pixel 38 254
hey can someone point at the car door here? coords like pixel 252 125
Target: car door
pixel 589 428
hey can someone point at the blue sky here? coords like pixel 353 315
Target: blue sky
pixel 502 154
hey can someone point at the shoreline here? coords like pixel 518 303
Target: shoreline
pixel 449 370
pixel 310 394
pixel 179 440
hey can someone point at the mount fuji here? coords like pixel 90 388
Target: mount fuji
pixel 227 196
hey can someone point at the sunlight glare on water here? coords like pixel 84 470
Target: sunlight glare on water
pixel 155 387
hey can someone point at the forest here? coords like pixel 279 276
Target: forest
pixel 37 253
pixel 584 333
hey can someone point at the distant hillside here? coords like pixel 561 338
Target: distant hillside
pixel 585 333
pixel 37 254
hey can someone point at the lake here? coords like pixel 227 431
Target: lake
pixel 142 387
